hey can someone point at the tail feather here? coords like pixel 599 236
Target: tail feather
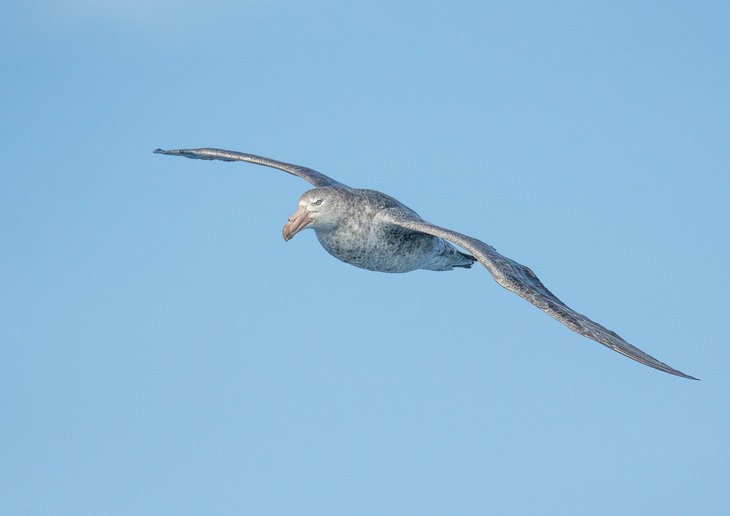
pixel 470 260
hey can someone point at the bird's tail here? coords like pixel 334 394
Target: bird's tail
pixel 468 261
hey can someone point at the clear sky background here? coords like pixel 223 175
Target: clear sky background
pixel 163 351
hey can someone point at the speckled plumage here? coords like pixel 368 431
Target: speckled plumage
pixel 374 231
pixel 358 238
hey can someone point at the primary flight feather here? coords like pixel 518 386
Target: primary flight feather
pixel 374 231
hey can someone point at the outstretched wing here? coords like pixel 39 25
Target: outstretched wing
pixel 523 282
pixel 316 178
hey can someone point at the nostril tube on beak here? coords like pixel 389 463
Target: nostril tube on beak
pixel 298 221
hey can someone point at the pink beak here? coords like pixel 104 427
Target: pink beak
pixel 298 221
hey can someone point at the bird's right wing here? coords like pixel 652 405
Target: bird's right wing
pixel 316 178
pixel 522 281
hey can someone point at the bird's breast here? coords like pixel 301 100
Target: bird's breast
pixel 377 247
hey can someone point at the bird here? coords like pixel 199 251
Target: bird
pixel 374 231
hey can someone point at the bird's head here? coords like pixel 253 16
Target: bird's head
pixel 318 209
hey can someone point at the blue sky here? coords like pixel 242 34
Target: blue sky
pixel 165 352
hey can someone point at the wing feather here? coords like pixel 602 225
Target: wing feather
pixel 522 281
pixel 316 178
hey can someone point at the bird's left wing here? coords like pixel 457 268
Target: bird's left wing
pixel 316 178
pixel 522 281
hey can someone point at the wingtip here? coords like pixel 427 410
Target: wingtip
pixel 173 152
pixel 680 374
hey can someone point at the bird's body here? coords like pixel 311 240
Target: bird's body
pixel 359 238
pixel 374 231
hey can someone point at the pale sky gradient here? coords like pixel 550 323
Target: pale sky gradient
pixel 163 351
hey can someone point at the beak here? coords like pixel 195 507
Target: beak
pixel 298 221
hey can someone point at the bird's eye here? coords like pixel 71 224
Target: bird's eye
pixel 318 202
